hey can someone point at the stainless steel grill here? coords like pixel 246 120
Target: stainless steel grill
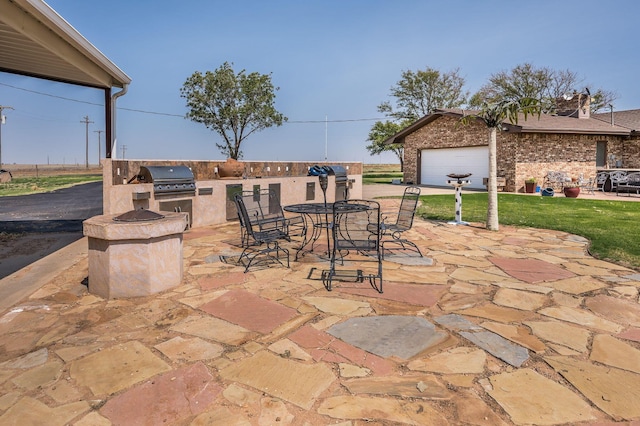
pixel 169 180
pixel 342 187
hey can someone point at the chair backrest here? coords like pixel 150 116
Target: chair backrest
pixel 408 207
pixel 633 179
pixel 243 214
pixel 263 208
pixel 356 225
pixel 582 181
pixel 618 176
pixel 601 177
pixel 556 177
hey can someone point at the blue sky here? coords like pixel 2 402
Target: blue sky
pixel 333 60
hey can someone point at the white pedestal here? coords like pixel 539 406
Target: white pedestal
pixel 458 184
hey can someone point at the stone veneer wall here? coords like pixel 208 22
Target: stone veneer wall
pixel 520 155
pixel 631 153
pixel 125 170
pixel 210 204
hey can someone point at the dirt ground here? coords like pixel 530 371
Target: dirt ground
pixel 20 250
pixel 31 170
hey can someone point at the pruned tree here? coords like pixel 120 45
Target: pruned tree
pixel 416 94
pixel 544 84
pixel 234 105
pixel 493 116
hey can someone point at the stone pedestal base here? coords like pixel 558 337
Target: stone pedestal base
pixel 130 259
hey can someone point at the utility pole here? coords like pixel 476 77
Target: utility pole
pixel 124 149
pixel 86 157
pixel 326 146
pixel 2 121
pixel 99 153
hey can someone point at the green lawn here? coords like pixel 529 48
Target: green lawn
pixel 613 227
pixel 30 185
pixel 384 177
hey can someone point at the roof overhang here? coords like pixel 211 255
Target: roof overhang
pixel 399 137
pixel 543 124
pixel 37 42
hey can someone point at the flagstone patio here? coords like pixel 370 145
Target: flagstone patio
pixel 519 326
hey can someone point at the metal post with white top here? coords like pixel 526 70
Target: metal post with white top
pixel 458 181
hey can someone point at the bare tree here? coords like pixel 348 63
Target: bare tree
pixel 544 84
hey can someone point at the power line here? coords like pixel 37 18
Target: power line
pixel 334 121
pixel 50 95
pixel 151 112
pixel 167 114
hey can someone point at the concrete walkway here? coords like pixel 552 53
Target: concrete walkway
pixel 519 326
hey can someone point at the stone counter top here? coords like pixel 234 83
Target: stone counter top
pixel 103 227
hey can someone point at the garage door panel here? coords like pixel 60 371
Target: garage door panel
pixel 438 163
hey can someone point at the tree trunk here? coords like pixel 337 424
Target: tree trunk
pixel 492 187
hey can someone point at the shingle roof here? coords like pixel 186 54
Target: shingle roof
pixel 532 124
pixel 562 124
pixel 629 119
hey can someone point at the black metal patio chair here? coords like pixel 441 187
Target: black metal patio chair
pixel 261 240
pixel 265 211
pixel 392 232
pixel 355 238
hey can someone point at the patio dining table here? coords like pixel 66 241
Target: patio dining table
pixel 317 217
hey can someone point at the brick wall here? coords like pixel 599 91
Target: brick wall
pixel 444 132
pixel 631 153
pixel 519 155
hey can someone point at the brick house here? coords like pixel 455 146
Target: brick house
pixel 571 141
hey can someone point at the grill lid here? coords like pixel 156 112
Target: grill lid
pixel 169 180
pixel 140 215
pixel 162 174
pixel 338 171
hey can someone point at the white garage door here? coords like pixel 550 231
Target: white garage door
pixel 438 163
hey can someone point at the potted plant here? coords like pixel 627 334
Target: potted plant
pixel 231 168
pixel 530 185
pixel 571 190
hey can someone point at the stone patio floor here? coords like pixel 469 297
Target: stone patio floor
pixel 519 326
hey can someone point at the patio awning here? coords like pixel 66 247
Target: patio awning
pixel 35 41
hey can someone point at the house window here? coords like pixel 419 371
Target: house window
pixel 601 154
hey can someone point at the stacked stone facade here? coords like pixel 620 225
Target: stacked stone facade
pixel 631 152
pixel 519 155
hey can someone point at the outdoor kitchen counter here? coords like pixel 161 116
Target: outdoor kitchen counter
pixel 104 227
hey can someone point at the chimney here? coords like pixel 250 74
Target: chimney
pixel 577 105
